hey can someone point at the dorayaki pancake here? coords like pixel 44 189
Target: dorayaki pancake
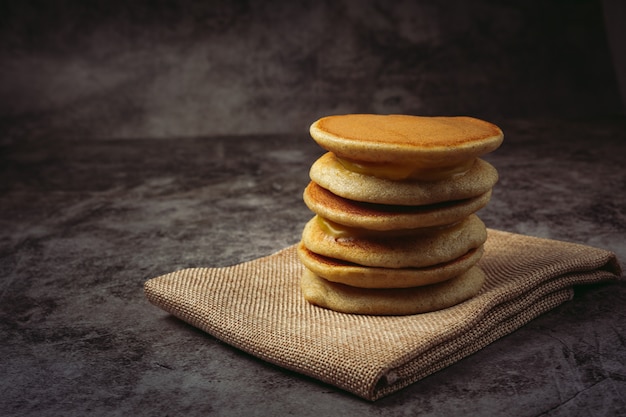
pixel 422 248
pixel 371 277
pixel 388 217
pixel 403 139
pixel 330 174
pixel 394 301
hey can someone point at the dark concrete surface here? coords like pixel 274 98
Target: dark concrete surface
pixel 85 222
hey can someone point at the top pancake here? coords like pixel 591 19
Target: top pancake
pixel 402 139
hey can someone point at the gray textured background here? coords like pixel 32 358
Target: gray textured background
pixel 192 68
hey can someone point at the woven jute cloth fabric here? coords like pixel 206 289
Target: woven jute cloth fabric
pixel 257 307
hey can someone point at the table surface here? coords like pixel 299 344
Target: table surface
pixel 85 222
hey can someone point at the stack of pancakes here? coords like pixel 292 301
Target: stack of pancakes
pixel 395 230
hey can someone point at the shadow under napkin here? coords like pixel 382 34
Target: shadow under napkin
pixel 257 307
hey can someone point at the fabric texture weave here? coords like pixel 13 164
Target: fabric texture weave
pixel 257 307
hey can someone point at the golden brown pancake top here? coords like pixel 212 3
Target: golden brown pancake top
pixel 428 141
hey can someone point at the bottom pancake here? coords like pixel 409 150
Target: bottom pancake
pixel 397 301
pixel 355 275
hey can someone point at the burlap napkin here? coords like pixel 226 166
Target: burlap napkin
pixel 257 307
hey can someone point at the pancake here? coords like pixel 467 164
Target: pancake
pixel 426 142
pixel 394 301
pixel 371 277
pixel 423 248
pixel 389 217
pixel 330 174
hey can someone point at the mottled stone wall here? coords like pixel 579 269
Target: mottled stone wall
pixel 189 68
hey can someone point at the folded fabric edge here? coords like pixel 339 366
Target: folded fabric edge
pixel 185 313
pixel 447 354
pixel 603 259
pixel 500 320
